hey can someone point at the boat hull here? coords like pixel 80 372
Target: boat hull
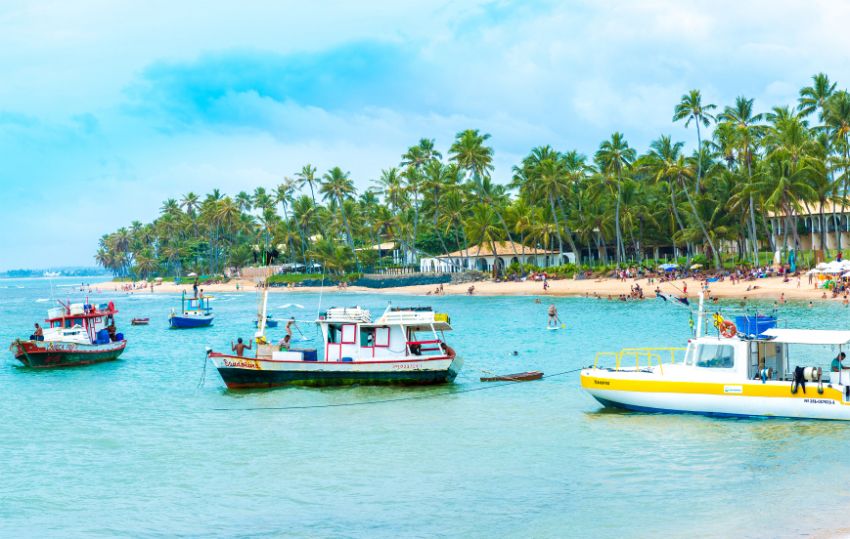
pixel 190 322
pixel 241 373
pixel 269 323
pixel 41 354
pixel 646 392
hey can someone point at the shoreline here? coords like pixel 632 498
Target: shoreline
pixel 770 288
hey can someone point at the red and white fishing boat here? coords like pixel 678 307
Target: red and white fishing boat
pixel 75 334
pixel 403 346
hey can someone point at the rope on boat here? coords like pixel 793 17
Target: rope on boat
pixel 384 401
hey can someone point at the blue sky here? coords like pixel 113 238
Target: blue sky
pixel 107 108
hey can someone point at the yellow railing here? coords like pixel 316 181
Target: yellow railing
pixel 649 353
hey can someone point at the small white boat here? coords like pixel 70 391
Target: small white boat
pixel 403 346
pixel 732 375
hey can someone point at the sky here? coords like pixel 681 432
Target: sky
pixel 107 108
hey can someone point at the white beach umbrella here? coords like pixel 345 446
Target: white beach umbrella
pixel 821 266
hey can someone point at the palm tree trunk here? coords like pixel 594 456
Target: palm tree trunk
pixel 348 232
pixel 619 237
pixel 557 224
pixel 569 232
pixel 699 158
pixel 701 225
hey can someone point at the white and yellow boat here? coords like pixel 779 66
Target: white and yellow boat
pixel 771 376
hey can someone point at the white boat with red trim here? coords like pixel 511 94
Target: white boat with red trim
pixel 403 346
pixel 76 334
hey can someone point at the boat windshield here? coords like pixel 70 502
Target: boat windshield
pixel 715 356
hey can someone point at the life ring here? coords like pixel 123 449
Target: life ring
pixel 728 329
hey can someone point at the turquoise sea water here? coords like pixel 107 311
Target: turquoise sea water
pixel 136 448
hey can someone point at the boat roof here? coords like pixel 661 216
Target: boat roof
pixel 808 336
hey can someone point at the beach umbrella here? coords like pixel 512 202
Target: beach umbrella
pixel 668 267
pixel 821 266
pixel 696 266
pixel 193 274
pixel 813 272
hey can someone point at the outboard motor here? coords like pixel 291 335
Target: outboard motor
pixel 799 380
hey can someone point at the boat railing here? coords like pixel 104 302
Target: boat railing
pixel 655 354
pixel 434 345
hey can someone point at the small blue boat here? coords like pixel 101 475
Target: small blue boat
pixel 194 313
pixel 270 322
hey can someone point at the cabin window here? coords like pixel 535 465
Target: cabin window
pixel 333 334
pixel 382 337
pixel 715 356
pixel 367 337
pixel 348 333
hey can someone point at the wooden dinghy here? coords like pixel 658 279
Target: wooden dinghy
pixel 518 377
pixel 140 321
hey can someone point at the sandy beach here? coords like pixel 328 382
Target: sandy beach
pixel 770 288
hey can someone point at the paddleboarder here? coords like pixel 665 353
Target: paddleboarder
pixel 554 321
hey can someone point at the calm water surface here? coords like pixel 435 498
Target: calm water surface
pixel 140 447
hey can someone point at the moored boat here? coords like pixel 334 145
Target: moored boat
pixel 403 346
pixel 517 377
pixel 76 334
pixel 740 371
pixel 194 312
pixel 140 321
pixel 271 322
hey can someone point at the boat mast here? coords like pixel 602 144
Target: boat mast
pixel 700 314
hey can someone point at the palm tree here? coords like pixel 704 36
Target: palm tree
pixel 471 154
pixel 337 186
pixel 665 165
pixel 307 175
pixel 615 157
pixel 691 109
pixel 746 132
pixel 813 98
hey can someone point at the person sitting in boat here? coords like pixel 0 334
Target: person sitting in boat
pixel 836 363
pixel 239 347
pixel 38 334
pixel 285 342
pixel 111 329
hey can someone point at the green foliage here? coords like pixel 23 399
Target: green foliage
pixel 708 203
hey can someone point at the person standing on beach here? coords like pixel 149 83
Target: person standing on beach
pixel 685 287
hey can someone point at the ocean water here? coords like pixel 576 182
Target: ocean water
pixel 153 445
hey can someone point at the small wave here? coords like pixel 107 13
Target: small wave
pixel 42 300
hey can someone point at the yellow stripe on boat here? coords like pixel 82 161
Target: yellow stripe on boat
pixel 731 389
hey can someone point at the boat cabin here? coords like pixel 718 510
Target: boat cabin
pixel 774 356
pixel 82 323
pixel 350 335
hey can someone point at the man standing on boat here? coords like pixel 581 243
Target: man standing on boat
pixel 836 363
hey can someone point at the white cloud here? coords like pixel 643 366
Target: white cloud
pixel 566 74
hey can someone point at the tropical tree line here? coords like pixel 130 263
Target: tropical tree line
pixel 617 206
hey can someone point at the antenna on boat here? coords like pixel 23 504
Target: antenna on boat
pixel 700 313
